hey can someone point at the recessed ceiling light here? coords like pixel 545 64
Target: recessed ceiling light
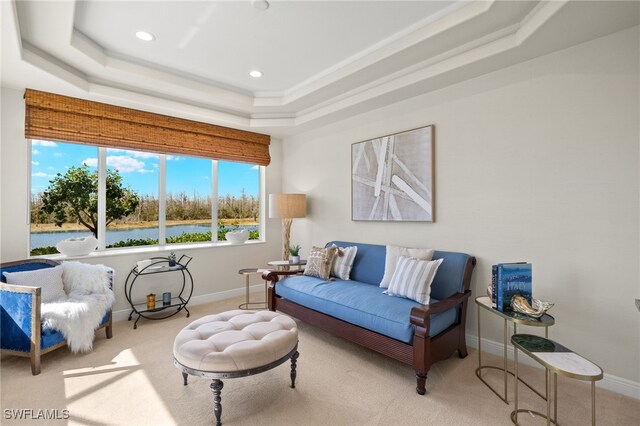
pixel 260 4
pixel 145 36
pixel 255 74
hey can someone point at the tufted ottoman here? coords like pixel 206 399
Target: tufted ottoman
pixel 235 344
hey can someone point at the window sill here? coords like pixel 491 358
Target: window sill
pixel 155 250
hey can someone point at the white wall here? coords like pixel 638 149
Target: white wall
pixel 214 269
pixel 536 162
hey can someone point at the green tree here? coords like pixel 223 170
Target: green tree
pixel 74 196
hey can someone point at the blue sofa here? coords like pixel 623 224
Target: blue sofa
pixel 21 331
pixel 357 309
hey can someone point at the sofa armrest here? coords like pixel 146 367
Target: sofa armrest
pixel 274 276
pixel 420 314
pixel 20 317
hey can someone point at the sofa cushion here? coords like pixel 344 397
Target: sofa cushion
pixel 361 304
pixel 412 279
pixel 368 266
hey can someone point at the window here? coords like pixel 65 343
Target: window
pixel 150 198
pixel 64 187
pixel 132 198
pixel 189 192
pixel 239 197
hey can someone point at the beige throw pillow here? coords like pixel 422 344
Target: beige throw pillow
pixel 391 260
pixel 319 262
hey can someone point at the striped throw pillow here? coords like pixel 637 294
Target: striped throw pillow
pixel 343 262
pixel 412 279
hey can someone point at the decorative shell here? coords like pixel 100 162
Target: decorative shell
pixel 519 304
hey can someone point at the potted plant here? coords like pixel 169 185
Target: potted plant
pixel 172 259
pixel 295 253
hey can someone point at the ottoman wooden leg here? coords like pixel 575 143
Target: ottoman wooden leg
pixel 294 360
pixel 216 388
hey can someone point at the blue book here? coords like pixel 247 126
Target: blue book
pixel 494 286
pixel 512 278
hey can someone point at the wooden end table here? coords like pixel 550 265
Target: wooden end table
pixel 557 359
pixel 545 321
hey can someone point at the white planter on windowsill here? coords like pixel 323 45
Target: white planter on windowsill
pixel 237 237
pixel 77 246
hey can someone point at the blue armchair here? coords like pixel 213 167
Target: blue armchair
pixel 21 331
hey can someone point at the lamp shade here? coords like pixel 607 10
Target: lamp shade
pixel 287 205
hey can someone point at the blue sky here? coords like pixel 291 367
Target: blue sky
pixel 140 169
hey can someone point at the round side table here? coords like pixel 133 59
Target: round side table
pixel 285 265
pixel 248 272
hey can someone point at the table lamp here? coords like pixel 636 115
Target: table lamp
pixel 287 207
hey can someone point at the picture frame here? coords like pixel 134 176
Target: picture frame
pixel 392 177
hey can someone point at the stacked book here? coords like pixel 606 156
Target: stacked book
pixel 508 279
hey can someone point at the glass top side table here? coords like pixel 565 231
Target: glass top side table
pixel 557 359
pixel 247 272
pixel 545 321
pixel 285 265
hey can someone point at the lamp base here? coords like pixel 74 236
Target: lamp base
pixel 286 235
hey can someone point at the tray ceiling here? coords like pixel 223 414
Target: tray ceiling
pixel 321 61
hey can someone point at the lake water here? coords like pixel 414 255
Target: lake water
pixel 45 239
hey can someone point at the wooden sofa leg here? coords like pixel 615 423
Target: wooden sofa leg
pixel 421 379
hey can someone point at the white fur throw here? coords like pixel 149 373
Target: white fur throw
pixel 89 298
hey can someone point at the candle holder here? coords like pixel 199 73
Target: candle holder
pixel 151 301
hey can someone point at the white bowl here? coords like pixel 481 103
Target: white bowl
pixel 237 237
pixel 77 246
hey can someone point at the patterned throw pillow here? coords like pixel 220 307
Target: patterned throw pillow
pixel 343 262
pixel 48 279
pixel 319 262
pixel 412 279
pixel 391 260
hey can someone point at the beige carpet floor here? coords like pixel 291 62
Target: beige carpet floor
pixel 131 380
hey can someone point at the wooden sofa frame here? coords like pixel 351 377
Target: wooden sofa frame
pixel 424 351
pixel 36 352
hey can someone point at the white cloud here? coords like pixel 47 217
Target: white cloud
pixel 35 163
pixel 174 157
pixel 256 167
pixel 204 177
pixel 91 162
pixel 125 164
pixel 58 154
pixel 35 152
pixel 137 154
pixel 37 142
pixel 40 174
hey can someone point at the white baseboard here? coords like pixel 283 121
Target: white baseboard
pixel 609 382
pixel 123 315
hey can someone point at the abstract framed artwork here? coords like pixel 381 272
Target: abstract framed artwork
pixel 392 177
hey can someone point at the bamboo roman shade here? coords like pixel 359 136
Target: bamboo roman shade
pixel 62 118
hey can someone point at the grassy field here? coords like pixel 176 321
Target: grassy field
pixel 50 227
